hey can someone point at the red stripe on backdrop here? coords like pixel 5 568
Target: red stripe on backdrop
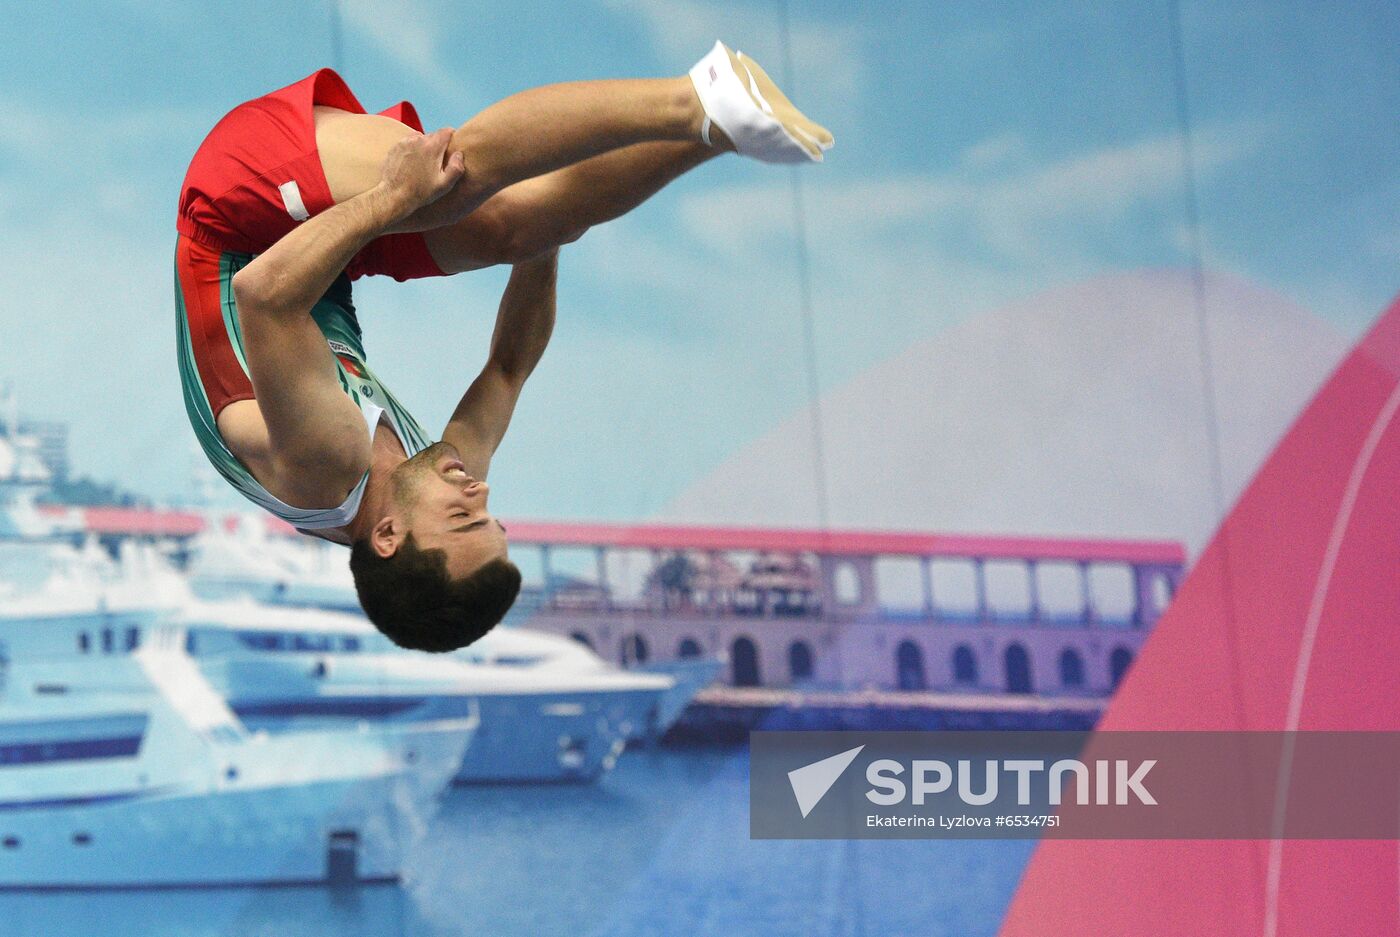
pixel 1288 621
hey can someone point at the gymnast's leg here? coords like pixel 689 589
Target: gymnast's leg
pixel 725 100
pixel 542 213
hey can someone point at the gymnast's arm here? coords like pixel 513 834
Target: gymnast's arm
pixel 524 323
pixel 315 432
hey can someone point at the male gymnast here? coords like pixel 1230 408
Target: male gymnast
pixel 297 193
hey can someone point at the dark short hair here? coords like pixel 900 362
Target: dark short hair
pixel 410 597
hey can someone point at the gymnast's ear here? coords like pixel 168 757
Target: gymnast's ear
pixel 386 537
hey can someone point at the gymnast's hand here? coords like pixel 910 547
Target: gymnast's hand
pixel 419 170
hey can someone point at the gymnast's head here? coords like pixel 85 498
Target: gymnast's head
pixel 433 572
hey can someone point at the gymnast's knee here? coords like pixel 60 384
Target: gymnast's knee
pixel 502 231
pixel 526 242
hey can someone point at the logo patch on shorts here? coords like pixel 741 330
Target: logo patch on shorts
pixel 291 200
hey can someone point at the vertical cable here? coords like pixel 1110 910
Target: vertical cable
pixel 850 858
pixel 805 311
pixel 1198 292
pixel 1208 385
pixel 804 295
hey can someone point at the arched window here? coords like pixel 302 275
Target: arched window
pixel 909 667
pixel 634 650
pixel 1118 663
pixel 800 661
pixel 582 638
pixel 964 665
pixel 1071 669
pixel 689 647
pixel 1018 670
pixel 743 657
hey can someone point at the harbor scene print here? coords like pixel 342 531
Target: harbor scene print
pixel 1046 389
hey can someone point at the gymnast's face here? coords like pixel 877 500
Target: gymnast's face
pixel 445 509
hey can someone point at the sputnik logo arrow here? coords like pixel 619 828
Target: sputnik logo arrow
pixel 811 782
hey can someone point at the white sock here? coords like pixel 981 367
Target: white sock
pixel 733 103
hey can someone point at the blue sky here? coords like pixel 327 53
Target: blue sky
pixel 985 152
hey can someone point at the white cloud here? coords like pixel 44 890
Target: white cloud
pixel 23 129
pixel 1214 254
pixel 117 197
pixel 1339 299
pixel 1008 213
pixel 37 134
pixel 88 321
pixel 994 151
pixel 1004 425
pixel 408 33
pixel 896 259
pixel 169 16
pixel 744 220
pixel 679 28
pixel 1107 181
pixel 826 56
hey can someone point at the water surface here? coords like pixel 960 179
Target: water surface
pixel 659 847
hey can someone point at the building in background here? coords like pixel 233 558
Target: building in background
pixel 852 610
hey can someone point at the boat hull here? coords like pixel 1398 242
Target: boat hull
pixel 690 676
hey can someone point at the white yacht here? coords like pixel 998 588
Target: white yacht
pixel 307 654
pixel 128 770
pixel 236 557
pixel 121 766
pixel 240 558
pixel 550 653
pixel 281 668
